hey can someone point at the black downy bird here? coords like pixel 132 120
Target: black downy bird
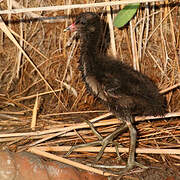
pixel 124 91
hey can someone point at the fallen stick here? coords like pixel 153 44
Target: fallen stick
pixel 110 149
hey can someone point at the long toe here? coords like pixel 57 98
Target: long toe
pixel 95 143
pixel 133 164
pixel 129 167
pixel 109 140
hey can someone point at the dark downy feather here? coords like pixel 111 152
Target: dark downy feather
pixel 124 90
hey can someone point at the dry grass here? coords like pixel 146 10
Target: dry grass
pixel 39 80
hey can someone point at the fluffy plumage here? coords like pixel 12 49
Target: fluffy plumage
pixel 120 87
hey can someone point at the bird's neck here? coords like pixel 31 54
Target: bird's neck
pixel 89 53
pixel 89 44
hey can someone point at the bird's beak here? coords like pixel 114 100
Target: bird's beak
pixel 72 27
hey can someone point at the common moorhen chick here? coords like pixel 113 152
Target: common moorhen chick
pixel 126 92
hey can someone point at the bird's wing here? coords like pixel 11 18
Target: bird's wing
pixel 116 86
pixel 95 87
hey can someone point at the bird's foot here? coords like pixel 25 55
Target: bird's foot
pixel 102 141
pixel 109 139
pixel 129 167
pixel 133 164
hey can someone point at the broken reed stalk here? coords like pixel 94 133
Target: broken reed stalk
pixel 69 162
pixel 75 6
pixel 84 125
pixel 110 150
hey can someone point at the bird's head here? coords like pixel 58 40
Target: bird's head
pixel 87 22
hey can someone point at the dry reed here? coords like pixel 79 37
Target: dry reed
pixel 44 66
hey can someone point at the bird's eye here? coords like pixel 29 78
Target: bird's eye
pixel 83 22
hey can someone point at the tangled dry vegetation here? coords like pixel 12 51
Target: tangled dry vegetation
pixel 47 107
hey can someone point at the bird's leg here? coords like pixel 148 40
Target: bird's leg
pixel 132 147
pixel 131 159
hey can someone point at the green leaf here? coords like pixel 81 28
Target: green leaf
pixel 125 15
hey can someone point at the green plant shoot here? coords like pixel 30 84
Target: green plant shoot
pixel 125 15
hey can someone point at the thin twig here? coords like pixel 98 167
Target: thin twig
pixel 75 6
